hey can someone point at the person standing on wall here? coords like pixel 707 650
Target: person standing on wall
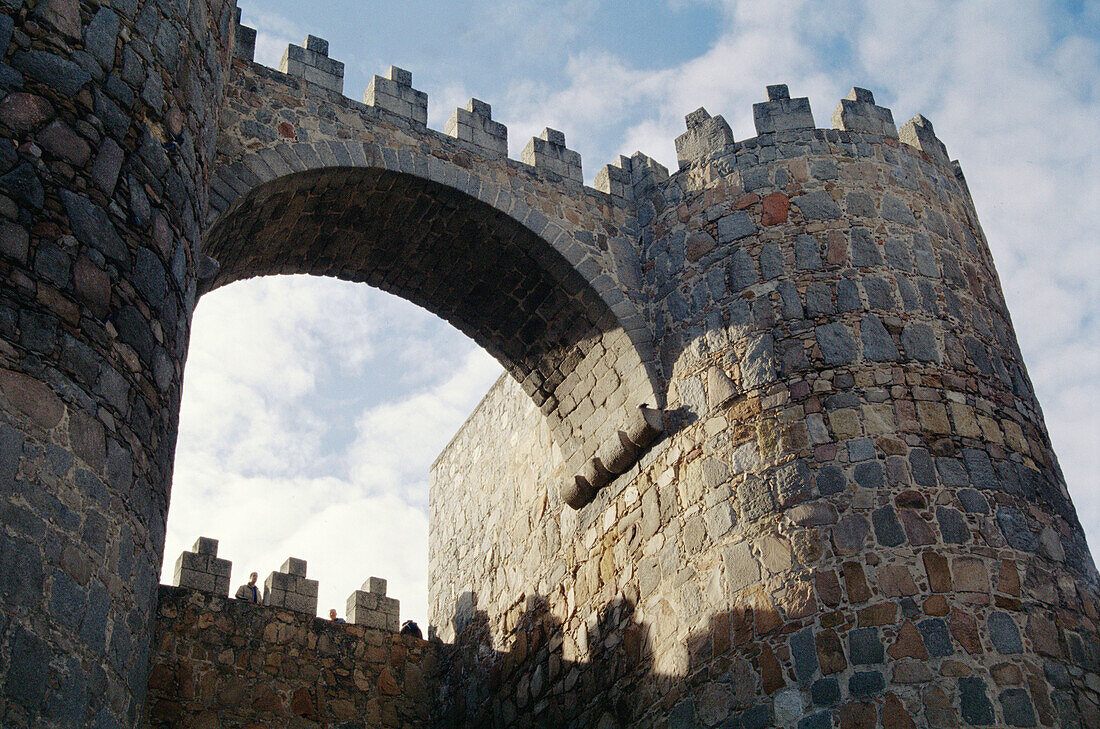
pixel 249 593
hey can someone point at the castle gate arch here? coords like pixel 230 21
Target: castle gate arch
pixel 482 270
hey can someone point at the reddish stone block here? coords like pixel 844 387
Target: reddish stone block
pixel 22 112
pixel 1006 674
pixel 775 206
pixel 885 613
pixel 1041 699
pixel 938 709
pixel 964 628
pixel 301 703
pixel 31 397
pixel 93 286
pixel 741 622
pixel 856 582
pixel 970 575
pixel 830 652
pixel 917 529
pixel 895 715
pixel 1008 578
pixel 264 698
pixel 908 644
pixel 387 684
pixel 858 715
pixel 720 633
pixel 746 201
pixel 939 574
pixel 798 600
pixel 828 587
pixel 771 673
pixel 936 605
pixel 1044 635
pixel 895 580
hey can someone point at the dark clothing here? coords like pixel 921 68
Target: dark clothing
pixel 411 628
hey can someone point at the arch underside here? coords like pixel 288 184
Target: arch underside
pixel 477 268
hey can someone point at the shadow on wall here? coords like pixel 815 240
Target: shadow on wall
pixel 613 682
pixel 718 675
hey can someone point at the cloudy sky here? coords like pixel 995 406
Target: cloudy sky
pixel 313 408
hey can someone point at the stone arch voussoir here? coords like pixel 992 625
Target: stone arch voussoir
pixel 530 291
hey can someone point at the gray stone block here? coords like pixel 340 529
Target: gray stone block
pixel 294 566
pixel 975 704
pixel 858 113
pixel 735 226
pixel 705 135
pixel 202 570
pixel 817 206
pixel 936 636
pixel 373 610
pixel 742 569
pixel 865 647
pixel 888 529
pixel 396 95
pixel 918 133
pixel 878 345
pixel 836 342
pixel 865 683
pixel 310 62
pixel 1017 707
pixel 781 113
pixel 1004 634
pixel 375 585
pixel 244 41
pixel 205 545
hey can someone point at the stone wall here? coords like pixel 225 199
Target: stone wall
pixel 856 519
pixel 228 663
pixel 108 122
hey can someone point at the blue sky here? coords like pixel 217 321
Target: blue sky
pixel 313 408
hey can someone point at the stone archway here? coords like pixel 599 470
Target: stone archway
pixel 493 277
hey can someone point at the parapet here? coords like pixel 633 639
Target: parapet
pixel 918 132
pixel 781 113
pixel 858 113
pixel 244 42
pixel 201 569
pixel 310 62
pixel 705 135
pixel 395 94
pixel 475 125
pixel 290 589
pixel 548 153
pixel 620 178
pixel 371 607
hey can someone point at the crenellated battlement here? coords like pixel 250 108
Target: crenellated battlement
pixel 767 453
pixel 288 587
pixel 706 136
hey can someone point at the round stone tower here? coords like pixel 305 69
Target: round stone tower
pixel 109 121
pixel 856 519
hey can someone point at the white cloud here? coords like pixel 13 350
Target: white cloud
pixel 277 456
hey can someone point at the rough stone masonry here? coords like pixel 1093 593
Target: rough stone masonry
pixel 768 454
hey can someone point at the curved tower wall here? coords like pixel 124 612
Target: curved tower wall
pixel 109 120
pixel 856 518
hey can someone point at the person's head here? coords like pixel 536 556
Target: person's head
pixel 253 577
pixel 332 614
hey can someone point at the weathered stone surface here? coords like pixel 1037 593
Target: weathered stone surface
pixel 714 554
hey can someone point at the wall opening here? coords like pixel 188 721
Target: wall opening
pixel 311 413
